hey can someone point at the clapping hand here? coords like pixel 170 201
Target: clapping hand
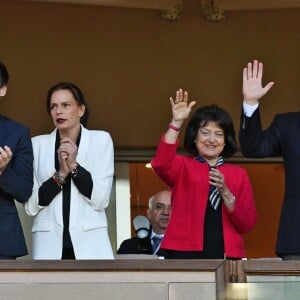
pixel 5 157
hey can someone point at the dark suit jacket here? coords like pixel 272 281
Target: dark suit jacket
pixel 16 182
pixel 282 138
pixel 136 246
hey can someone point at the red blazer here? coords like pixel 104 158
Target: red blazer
pixel 189 182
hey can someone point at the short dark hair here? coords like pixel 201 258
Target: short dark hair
pixel 77 94
pixel 4 77
pixel 204 115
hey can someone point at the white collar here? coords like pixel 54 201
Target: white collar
pixel 156 234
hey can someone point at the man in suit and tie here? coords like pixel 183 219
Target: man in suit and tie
pixel 16 178
pixel 281 138
pixel 158 213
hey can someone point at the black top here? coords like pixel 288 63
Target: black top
pixel 135 245
pixel 213 243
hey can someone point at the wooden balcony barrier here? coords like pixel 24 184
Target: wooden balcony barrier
pixel 148 279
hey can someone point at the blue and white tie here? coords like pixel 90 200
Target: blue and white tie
pixel 214 195
pixel 156 240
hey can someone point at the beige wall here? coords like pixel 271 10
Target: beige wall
pixel 129 61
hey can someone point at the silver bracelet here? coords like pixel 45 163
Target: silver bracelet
pixel 74 172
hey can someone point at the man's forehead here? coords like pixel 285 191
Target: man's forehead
pixel 162 202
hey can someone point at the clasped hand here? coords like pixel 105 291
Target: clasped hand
pixel 216 178
pixel 67 154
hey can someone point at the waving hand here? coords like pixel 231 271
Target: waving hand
pixel 252 83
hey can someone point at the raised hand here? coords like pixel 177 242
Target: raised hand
pixel 180 106
pixel 180 111
pixel 252 82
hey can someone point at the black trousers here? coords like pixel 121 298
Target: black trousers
pixel 68 253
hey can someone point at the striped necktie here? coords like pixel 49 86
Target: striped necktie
pixel 156 240
pixel 214 195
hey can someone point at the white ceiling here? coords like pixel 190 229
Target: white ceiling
pixel 164 4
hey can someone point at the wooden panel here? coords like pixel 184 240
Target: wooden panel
pixel 108 279
pixel 268 186
pixel 120 50
pixel 117 265
pixel 150 4
pixel 256 4
pixel 143 184
pixel 162 4
pixel 271 267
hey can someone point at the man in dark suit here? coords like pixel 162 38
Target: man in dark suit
pixel 158 213
pixel 16 178
pixel 281 138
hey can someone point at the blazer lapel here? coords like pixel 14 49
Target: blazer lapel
pixel 83 146
pixel 76 197
pixel 49 163
pixel 50 169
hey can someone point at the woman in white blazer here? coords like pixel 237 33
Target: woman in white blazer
pixel 73 173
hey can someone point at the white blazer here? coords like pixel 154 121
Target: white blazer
pixel 88 223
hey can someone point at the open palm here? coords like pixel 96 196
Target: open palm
pixel 180 106
pixel 252 82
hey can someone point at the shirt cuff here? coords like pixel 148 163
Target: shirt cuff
pixel 249 109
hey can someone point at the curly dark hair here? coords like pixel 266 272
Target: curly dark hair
pixel 201 117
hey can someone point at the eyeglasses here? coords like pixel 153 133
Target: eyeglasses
pixel 208 134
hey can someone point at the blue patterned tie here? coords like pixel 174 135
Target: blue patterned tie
pixel 214 195
pixel 156 240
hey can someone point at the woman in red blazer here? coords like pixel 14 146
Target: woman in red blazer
pixel 212 201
